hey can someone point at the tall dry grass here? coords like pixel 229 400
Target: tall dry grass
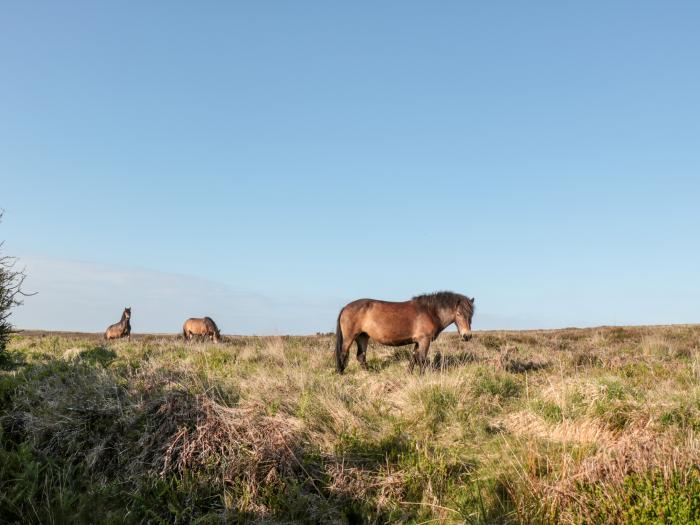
pixel 568 426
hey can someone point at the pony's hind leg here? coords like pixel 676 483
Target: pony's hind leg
pixel 362 341
pixel 345 352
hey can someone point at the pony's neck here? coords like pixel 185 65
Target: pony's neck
pixel 446 316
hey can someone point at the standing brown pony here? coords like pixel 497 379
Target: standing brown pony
pixel 202 326
pixel 122 328
pixel 417 321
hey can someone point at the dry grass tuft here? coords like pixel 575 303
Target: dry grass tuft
pixel 194 433
pixel 582 431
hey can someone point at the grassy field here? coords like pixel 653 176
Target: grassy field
pixel 570 426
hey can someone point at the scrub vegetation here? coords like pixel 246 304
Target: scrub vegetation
pixel 11 281
pixel 568 426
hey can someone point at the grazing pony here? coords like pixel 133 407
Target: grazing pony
pixel 201 326
pixel 418 321
pixel 122 328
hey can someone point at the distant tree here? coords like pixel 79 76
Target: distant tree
pixel 11 280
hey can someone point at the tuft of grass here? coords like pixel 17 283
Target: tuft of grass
pixel 500 385
pixel 549 410
pixel 439 404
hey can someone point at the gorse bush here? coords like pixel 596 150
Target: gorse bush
pixel 11 281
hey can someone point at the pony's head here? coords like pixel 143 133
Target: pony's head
pixel 455 306
pixel 127 313
pixel 464 311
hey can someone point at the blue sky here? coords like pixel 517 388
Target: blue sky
pixel 265 164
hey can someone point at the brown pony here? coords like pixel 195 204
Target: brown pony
pixel 418 321
pixel 202 326
pixel 122 328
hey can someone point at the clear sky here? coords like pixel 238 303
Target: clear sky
pixel 267 163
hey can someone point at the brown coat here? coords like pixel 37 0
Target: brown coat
pixel 122 328
pixel 201 326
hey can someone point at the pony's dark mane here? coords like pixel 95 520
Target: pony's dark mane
pixel 210 320
pixel 445 300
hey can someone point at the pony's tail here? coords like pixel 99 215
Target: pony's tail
pixel 339 361
pixel 184 333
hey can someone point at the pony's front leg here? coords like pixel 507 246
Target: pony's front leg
pixel 414 359
pixel 422 353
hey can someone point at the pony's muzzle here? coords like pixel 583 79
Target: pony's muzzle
pixel 466 337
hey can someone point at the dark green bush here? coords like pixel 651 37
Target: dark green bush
pixel 647 500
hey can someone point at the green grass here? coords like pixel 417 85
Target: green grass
pixel 568 426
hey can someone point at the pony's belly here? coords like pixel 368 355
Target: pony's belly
pixel 396 342
pixel 391 339
pixel 390 335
